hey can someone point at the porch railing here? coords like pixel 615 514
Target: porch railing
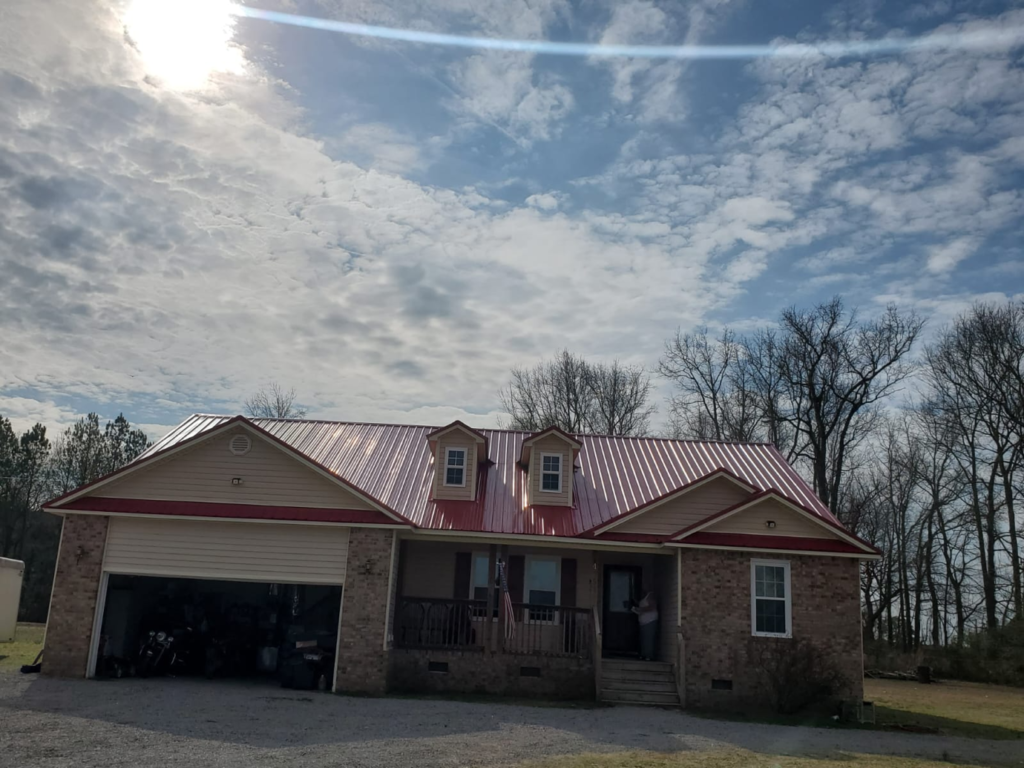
pixel 551 630
pixel 443 624
pixel 424 622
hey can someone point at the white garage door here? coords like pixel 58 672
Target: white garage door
pixel 279 553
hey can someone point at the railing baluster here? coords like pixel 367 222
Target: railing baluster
pixel 550 630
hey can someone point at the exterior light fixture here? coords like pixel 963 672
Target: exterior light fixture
pixel 769 524
pixel 238 481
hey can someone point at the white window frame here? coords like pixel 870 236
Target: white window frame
pixel 557 560
pixel 561 469
pixel 784 564
pixel 465 466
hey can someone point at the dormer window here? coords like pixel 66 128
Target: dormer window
pixel 551 472
pixel 455 467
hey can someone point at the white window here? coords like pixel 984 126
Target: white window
pixel 455 466
pixel 543 585
pixel 770 599
pixel 551 472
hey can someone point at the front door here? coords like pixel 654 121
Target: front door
pixel 621 591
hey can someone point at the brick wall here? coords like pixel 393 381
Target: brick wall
pixel 716 620
pixel 498 674
pixel 75 590
pixel 362 660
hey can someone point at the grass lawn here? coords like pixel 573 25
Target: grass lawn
pixel 738 758
pixel 956 708
pixel 28 639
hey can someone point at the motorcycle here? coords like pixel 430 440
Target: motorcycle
pixel 162 653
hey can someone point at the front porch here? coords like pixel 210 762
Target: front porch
pixel 570 611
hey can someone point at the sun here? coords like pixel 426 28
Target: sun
pixel 184 42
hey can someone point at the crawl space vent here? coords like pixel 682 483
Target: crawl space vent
pixel 240 445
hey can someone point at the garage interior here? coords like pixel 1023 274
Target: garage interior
pixel 222 629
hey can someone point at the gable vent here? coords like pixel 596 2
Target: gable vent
pixel 240 445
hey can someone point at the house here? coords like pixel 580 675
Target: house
pixel 393 538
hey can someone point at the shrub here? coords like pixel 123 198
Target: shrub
pixel 794 674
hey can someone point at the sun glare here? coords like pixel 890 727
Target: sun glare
pixel 184 42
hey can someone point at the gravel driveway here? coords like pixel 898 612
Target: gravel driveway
pixel 167 723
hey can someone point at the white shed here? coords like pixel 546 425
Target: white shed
pixel 11 574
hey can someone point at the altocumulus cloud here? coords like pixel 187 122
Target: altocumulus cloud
pixel 164 252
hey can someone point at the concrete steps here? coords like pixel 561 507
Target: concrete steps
pixel 628 681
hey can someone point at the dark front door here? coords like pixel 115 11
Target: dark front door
pixel 621 591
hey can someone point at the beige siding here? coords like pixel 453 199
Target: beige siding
pixel 787 522
pixel 551 444
pixel 455 439
pixel 301 554
pixel 203 473
pixel 689 508
pixel 428 569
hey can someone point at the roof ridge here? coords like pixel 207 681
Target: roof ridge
pixel 593 435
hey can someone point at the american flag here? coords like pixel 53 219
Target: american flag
pixel 510 616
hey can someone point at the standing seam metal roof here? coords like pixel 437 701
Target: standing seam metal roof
pixel 613 475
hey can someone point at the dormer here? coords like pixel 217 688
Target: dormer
pixel 548 457
pixel 458 452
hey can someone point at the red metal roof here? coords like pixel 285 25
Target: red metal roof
pixel 241 511
pixel 613 475
pixel 760 541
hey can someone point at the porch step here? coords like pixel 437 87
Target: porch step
pixel 639 686
pixel 640 698
pixel 636 675
pixel 636 665
pixel 630 681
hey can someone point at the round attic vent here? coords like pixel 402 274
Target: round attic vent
pixel 240 445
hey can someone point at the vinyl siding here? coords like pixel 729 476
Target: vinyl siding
pixel 300 554
pixel 551 444
pixel 429 568
pixel 688 508
pixel 203 473
pixel 455 439
pixel 787 522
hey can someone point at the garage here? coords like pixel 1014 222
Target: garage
pixel 220 599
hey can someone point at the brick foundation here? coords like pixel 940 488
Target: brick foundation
pixel 76 585
pixel 362 658
pixel 498 674
pixel 716 621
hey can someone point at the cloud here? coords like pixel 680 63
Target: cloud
pixel 655 89
pixel 180 249
pixel 944 258
pixel 379 146
pixel 174 251
pixel 502 89
pixel 544 202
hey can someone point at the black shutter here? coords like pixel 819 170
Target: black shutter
pixel 463 574
pixel 568 582
pixel 516 573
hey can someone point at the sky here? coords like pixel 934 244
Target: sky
pixel 195 204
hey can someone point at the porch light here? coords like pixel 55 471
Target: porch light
pixel 769 524
pixel 238 481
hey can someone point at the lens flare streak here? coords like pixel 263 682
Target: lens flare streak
pixel 981 40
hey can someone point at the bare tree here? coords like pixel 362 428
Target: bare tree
pixel 834 370
pixel 620 399
pixel 700 367
pixel 976 373
pixel 274 402
pixel 578 396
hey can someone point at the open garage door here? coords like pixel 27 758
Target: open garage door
pixel 239 597
pixel 243 551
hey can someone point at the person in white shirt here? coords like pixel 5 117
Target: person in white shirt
pixel 647 613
